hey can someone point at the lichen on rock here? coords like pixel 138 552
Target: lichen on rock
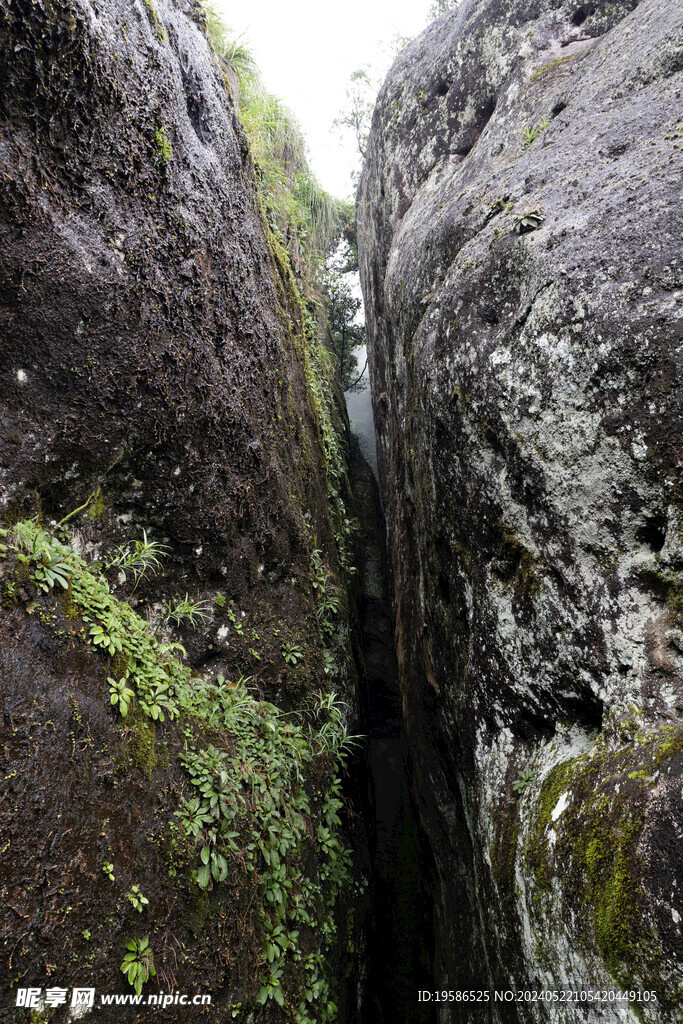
pixel 520 265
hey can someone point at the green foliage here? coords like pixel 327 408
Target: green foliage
pixel 152 672
pixel 120 694
pixel 136 898
pixel 529 221
pixel 328 605
pixel 181 609
pixel 533 132
pixel 230 47
pixel 320 373
pixel 255 805
pixel 330 665
pixel 235 619
pixel 138 963
pixel 292 654
pixel 298 207
pixel 525 778
pixel 108 869
pixel 219 600
pixel 347 333
pixel 360 103
pixel 139 558
pixel 50 567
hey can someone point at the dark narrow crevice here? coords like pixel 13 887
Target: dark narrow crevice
pixel 400 940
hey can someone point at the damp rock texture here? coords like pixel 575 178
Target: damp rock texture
pixel 155 374
pixel 519 236
pixel 149 336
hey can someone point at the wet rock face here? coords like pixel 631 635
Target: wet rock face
pixel 147 339
pixel 152 360
pixel 520 257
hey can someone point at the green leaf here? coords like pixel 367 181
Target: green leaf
pixel 205 854
pixel 203 876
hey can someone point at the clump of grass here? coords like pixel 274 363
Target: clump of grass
pixel 137 558
pixel 307 216
pixel 181 609
pixel 533 132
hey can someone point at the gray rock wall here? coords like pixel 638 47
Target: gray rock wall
pixel 519 237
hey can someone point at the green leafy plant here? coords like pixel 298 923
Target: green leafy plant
pixel 138 963
pixel 137 558
pixel 235 619
pixel 528 221
pixel 329 733
pixel 532 132
pixel 525 778
pixel 158 700
pixel 219 600
pixel 51 568
pixel 292 653
pixel 153 671
pixel 328 605
pixel 87 935
pixel 296 205
pixel 267 801
pixel 272 989
pixel 121 694
pixel 329 662
pixel 102 636
pixel 320 577
pixel 180 609
pixel 136 898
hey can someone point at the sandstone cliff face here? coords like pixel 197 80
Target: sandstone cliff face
pixel 519 235
pixel 155 363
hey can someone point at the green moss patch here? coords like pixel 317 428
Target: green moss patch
pixel 550 66
pixel 594 855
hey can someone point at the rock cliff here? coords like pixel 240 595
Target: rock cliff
pixel 165 392
pixel 519 238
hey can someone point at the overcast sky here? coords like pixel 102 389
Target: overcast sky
pixel 307 49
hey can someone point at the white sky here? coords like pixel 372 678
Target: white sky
pixel 306 51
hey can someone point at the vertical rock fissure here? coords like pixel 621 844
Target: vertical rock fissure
pixel 399 944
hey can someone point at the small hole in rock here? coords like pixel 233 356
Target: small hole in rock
pixel 653 532
pixel 581 14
